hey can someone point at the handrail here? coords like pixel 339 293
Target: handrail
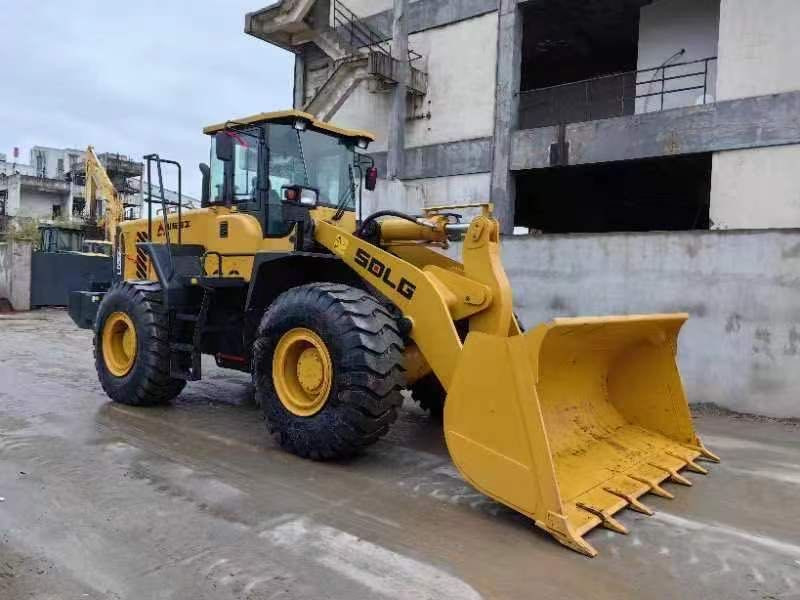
pixel 621 73
pixel 614 94
pixel 362 35
pixel 150 158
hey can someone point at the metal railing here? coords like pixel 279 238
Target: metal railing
pixel 354 32
pixel 618 94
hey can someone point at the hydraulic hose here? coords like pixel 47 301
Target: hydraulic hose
pixel 382 213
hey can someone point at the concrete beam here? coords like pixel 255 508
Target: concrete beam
pixel 464 157
pixel 755 122
pixel 433 13
pixel 506 112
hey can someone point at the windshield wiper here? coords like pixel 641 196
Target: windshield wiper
pixel 349 192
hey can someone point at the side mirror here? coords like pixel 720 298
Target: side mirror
pixel 205 190
pixel 224 146
pixel 371 178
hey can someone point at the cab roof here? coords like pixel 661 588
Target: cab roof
pixel 287 116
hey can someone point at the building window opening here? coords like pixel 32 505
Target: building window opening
pixel 41 165
pixel 663 194
pixel 567 41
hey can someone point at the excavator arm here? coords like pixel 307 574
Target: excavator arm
pixel 97 180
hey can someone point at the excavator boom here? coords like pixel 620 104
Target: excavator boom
pixel 97 180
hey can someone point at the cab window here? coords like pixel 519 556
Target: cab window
pixel 245 169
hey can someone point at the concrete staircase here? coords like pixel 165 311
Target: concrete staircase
pixel 360 53
pixel 357 52
pixel 347 75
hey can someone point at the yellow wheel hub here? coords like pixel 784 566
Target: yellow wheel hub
pixel 302 371
pixel 119 344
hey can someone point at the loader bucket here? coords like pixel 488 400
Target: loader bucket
pixel 574 420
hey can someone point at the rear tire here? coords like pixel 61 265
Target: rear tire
pixel 147 382
pixel 365 351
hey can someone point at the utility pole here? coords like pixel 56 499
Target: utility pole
pixel 397 124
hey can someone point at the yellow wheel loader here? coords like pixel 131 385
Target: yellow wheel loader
pixel 334 316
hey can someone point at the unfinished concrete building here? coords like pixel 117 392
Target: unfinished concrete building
pixel 51 186
pixel 653 144
pixel 572 116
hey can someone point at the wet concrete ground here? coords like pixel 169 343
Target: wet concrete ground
pixel 194 501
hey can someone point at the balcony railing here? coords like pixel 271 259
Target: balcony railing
pixel 619 94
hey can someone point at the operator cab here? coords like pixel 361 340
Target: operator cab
pixel 271 164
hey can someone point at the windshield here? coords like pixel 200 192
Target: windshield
pixel 313 160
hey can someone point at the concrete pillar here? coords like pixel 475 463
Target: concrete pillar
pixel 5 270
pixel 506 112
pixel 70 199
pixel 21 253
pixel 299 80
pixel 397 121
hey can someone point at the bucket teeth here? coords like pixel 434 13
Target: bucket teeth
pixel 607 520
pixel 674 476
pixel 559 527
pixel 705 453
pixel 655 488
pixel 633 503
pixel 690 464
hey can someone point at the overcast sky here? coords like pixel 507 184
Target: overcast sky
pixel 134 77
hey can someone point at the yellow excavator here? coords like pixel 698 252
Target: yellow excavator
pixel 336 313
pixel 97 180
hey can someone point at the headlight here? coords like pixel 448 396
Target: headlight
pixel 308 197
pixel 297 194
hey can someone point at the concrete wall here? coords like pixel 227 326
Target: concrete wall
pixel 15 273
pixel 741 346
pixel 51 160
pixel 460 61
pixel 5 269
pixel 758 54
pixel 35 203
pixel 367 110
pixel 34 197
pixel 12 186
pixel 412 196
pixel 666 27
pixel 366 8
pixel 11 168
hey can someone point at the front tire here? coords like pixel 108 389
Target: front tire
pixel 131 346
pixel 429 393
pixel 328 366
